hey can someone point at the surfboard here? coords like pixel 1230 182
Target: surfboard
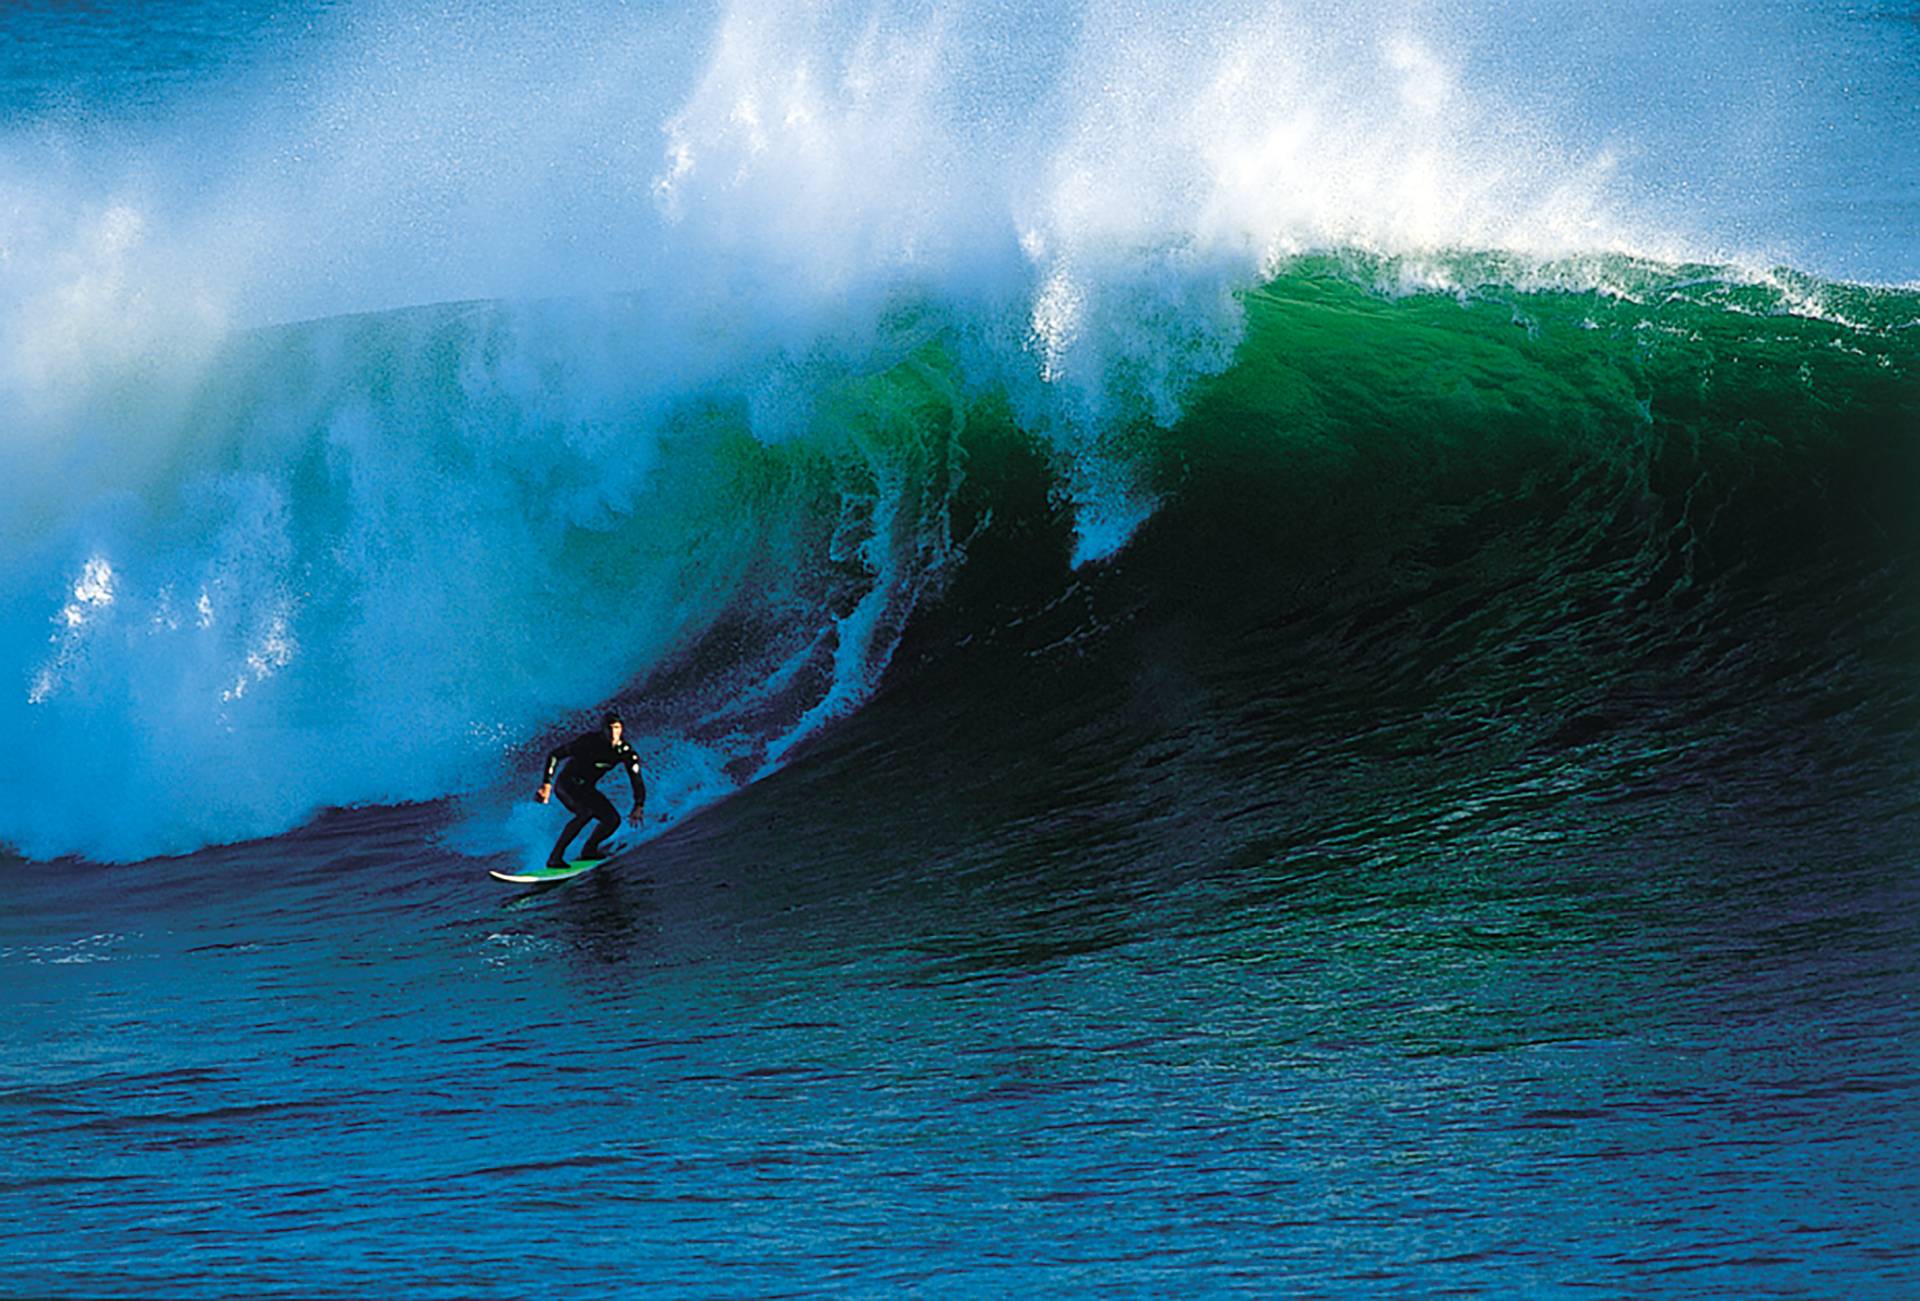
pixel 542 874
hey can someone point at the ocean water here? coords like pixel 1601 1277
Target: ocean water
pixel 1275 647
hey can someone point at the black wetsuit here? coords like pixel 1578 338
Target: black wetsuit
pixel 589 758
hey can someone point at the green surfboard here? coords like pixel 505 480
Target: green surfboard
pixel 542 874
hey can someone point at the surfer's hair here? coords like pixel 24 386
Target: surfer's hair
pixel 610 720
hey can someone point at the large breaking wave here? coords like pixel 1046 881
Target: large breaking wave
pixel 726 322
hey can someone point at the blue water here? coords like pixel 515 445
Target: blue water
pixel 1274 648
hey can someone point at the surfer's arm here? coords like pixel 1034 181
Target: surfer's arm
pixel 554 757
pixel 639 788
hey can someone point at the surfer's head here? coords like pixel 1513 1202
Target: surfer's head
pixel 612 726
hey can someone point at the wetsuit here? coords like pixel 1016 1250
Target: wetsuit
pixel 589 758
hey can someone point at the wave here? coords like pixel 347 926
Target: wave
pixel 763 349
pixel 401 548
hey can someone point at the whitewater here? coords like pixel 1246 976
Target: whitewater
pixel 1273 646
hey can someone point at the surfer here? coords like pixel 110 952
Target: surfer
pixel 590 757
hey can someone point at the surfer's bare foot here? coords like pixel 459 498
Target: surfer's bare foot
pixel 556 863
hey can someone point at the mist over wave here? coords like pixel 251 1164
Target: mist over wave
pixel 380 411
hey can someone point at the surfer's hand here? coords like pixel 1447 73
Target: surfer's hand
pixel 633 818
pixel 546 789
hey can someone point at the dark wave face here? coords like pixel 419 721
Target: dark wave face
pixel 1541 546
pixel 1536 563
pixel 1598 499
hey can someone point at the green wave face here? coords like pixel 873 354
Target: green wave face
pixel 1692 425
pixel 1579 580
pixel 416 544
pixel 1674 516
